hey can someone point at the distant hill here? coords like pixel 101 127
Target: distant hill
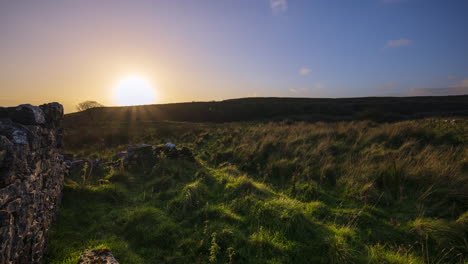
pixel 305 109
pixel 438 91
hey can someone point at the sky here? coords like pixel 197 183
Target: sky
pixel 201 50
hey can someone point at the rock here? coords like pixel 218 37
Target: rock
pixel 29 115
pixel 7 158
pixel 173 152
pixel 186 153
pixel 113 165
pixel 2 156
pixel 19 137
pixel 77 163
pixel 121 155
pixel 68 157
pixel 137 157
pixel 97 256
pixel 53 113
pixel 78 167
pixel 145 156
pixel 31 181
pixel 137 147
pixel 24 114
pixel 17 133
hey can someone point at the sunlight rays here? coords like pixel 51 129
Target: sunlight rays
pixel 134 90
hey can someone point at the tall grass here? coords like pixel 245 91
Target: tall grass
pixel 281 192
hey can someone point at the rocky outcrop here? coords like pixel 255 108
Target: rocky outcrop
pixel 97 256
pixel 31 179
pixel 140 158
pixel 144 155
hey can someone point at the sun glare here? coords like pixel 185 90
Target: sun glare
pixel 134 90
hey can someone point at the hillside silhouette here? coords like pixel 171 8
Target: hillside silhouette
pixel 300 109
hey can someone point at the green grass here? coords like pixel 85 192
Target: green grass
pixel 346 192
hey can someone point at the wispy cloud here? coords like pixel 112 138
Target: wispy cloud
pixel 398 43
pixel 451 78
pixel 462 84
pixel 314 90
pixel 305 71
pixel 279 6
pixel 300 91
pixel 460 88
pixel 388 85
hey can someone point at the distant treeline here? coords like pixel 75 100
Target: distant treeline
pixel 380 109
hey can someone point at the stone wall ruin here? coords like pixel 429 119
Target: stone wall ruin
pixel 31 179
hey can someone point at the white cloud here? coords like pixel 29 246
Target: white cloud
pixel 300 91
pixel 305 71
pixel 398 43
pixel 279 6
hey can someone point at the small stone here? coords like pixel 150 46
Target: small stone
pixel 170 145
pixel 20 137
pixel 97 256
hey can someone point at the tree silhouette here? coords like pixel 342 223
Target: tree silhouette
pixel 87 105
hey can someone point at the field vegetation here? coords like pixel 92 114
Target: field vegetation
pixel 271 192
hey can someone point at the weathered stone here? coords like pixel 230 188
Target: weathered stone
pixel 68 157
pixel 53 113
pixel 138 157
pixel 20 137
pixel 172 152
pixel 25 114
pixel 78 164
pixel 32 115
pixel 31 180
pixel 2 156
pixel 97 256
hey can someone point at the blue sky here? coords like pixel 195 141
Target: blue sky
pixel 217 49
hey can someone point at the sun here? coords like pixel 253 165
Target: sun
pixel 134 90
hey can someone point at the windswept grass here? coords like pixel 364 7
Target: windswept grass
pixel 282 192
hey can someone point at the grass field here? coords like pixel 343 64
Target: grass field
pixel 272 192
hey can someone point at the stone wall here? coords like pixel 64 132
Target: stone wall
pixel 31 179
